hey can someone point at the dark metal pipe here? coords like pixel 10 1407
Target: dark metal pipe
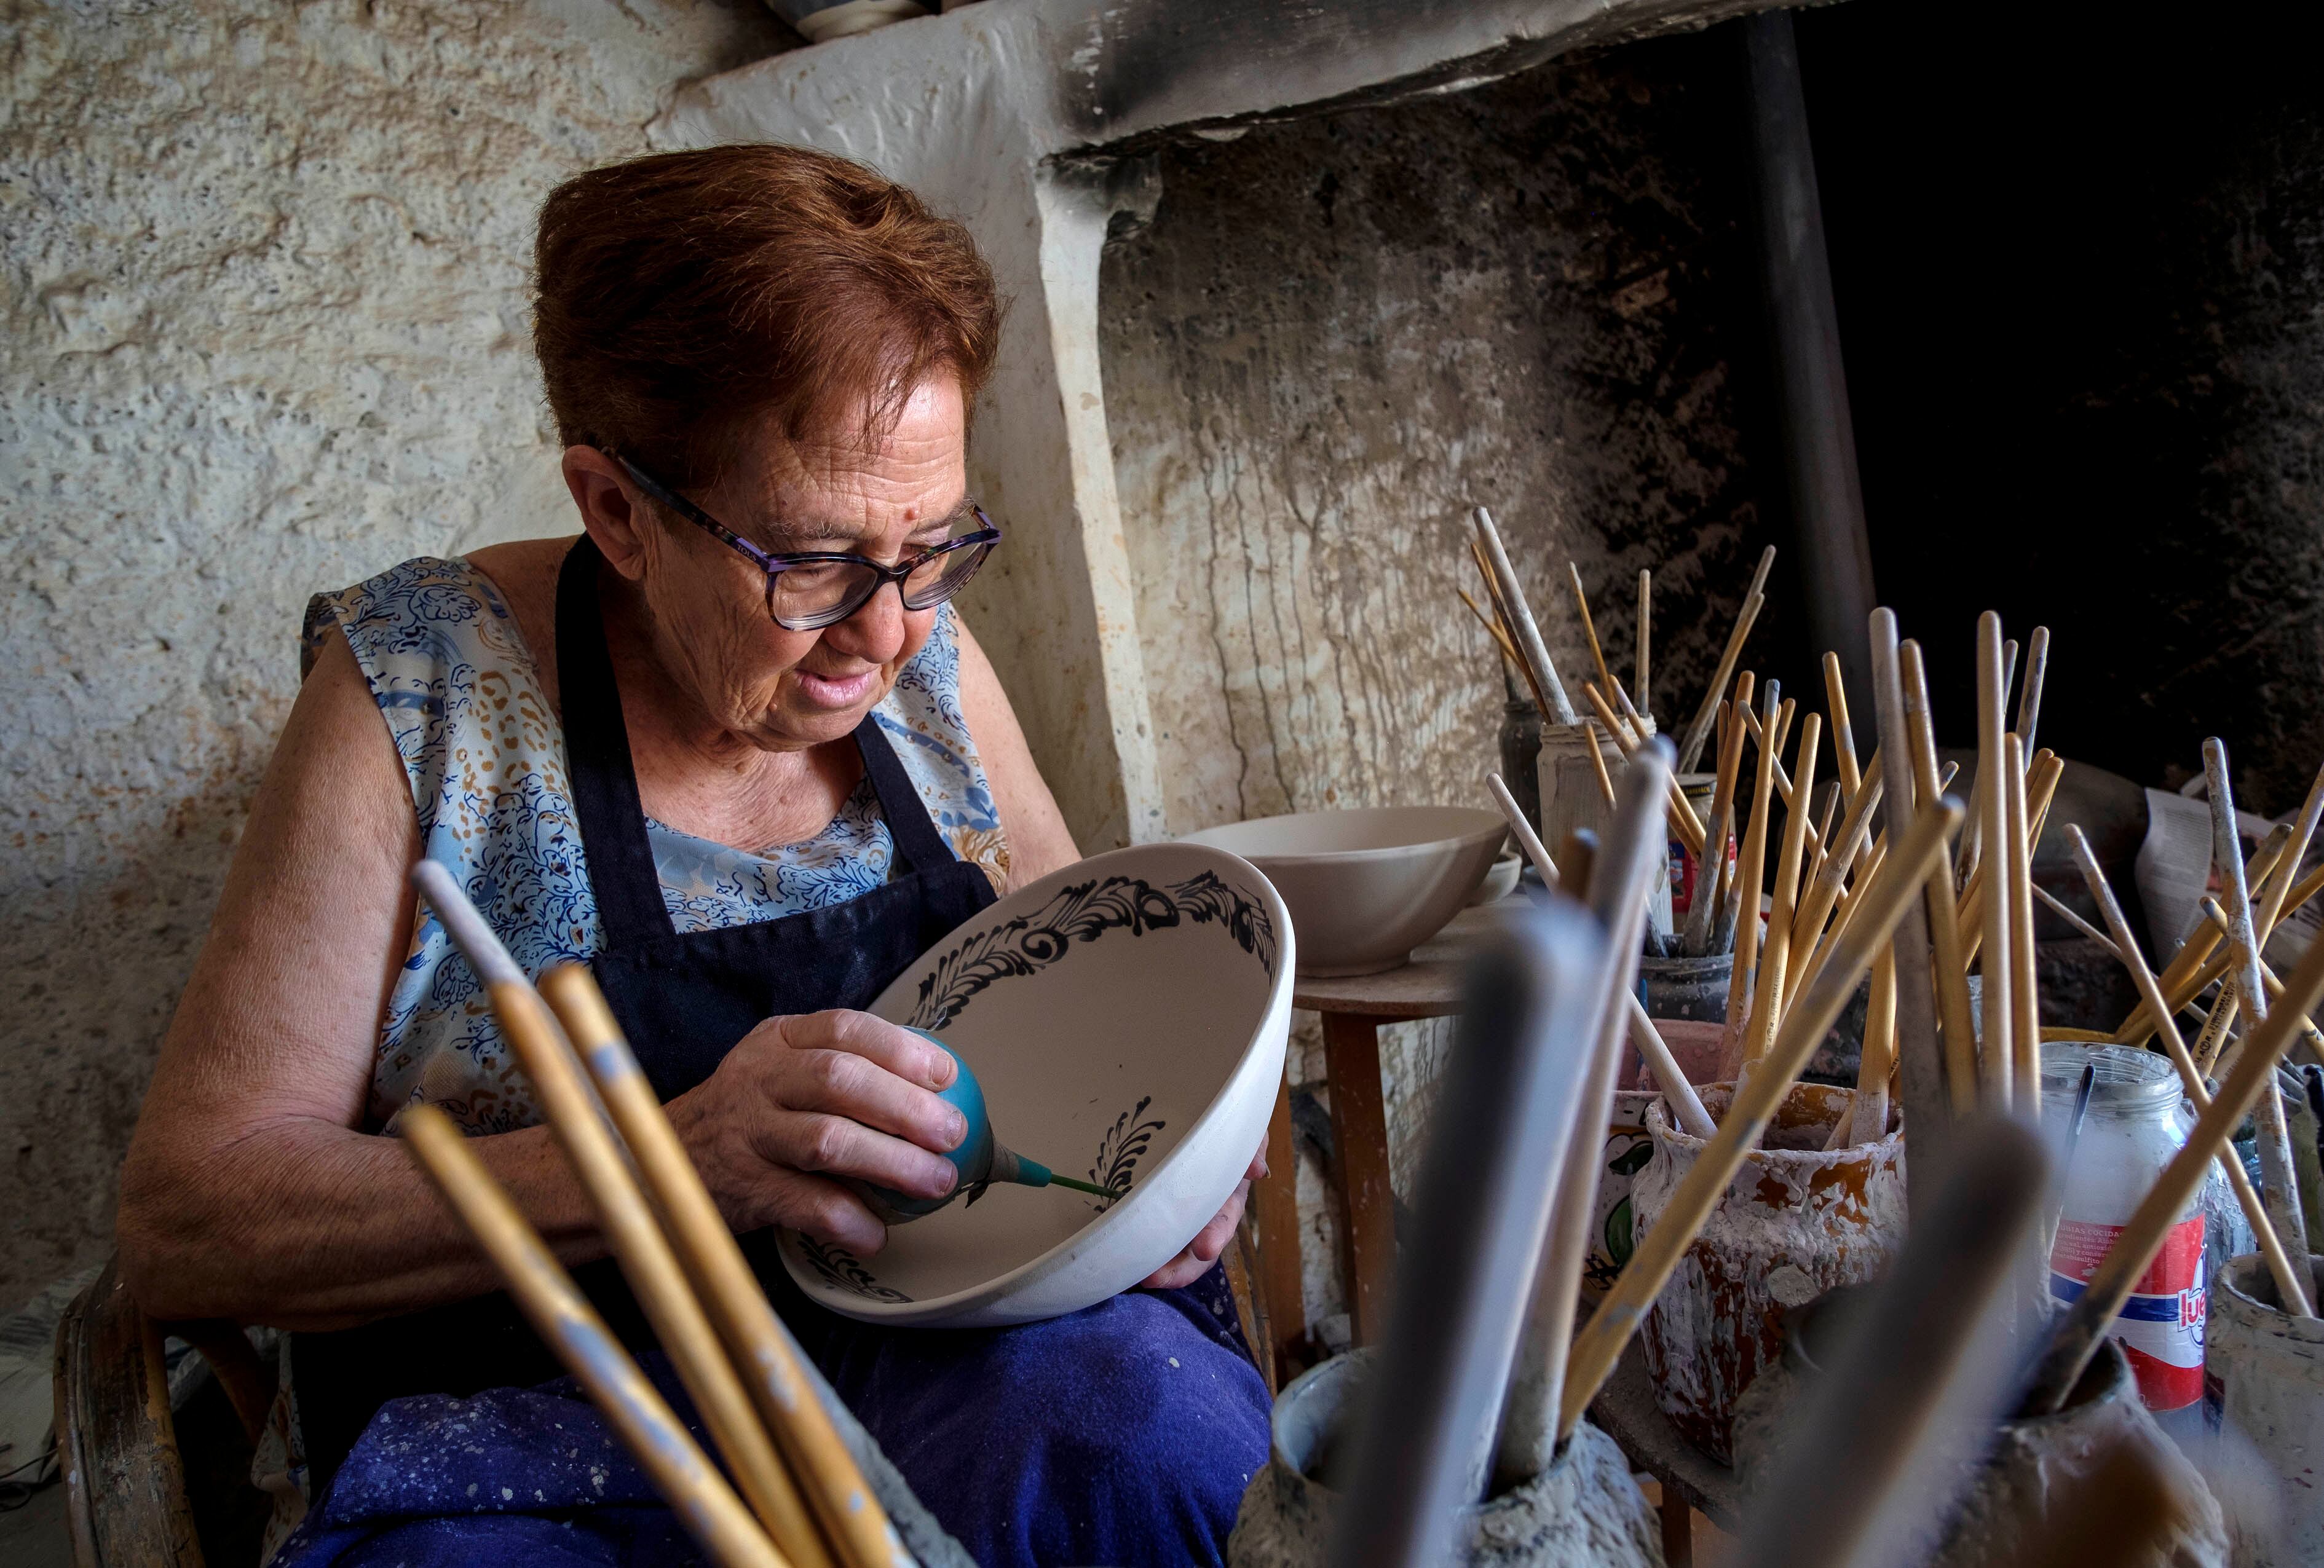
pixel 1833 556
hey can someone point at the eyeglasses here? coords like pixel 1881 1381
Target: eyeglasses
pixel 805 593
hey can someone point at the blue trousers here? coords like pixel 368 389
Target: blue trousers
pixel 1122 1434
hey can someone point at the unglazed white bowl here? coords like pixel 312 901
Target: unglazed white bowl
pixel 1366 887
pixel 1127 1017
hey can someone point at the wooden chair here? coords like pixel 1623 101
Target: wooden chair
pixel 127 1501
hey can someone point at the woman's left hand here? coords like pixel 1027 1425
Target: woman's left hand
pixel 1203 1250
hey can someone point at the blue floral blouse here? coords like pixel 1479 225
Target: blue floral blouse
pixel 486 758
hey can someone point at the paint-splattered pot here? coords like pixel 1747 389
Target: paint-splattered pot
pixel 1584 1511
pixel 2034 1466
pixel 2263 1383
pixel 1792 1223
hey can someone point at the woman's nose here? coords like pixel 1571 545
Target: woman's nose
pixel 875 632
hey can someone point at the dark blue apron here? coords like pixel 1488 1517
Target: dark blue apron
pixel 1120 1435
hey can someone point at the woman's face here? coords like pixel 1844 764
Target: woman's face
pixel 887 496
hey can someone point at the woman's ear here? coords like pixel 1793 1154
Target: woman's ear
pixel 611 508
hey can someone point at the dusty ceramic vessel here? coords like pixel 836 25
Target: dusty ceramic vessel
pixel 1127 1017
pixel 2035 1462
pixel 1794 1222
pixel 1584 1511
pixel 1366 887
pixel 2263 1377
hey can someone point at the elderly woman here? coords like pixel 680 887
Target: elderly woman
pixel 732 748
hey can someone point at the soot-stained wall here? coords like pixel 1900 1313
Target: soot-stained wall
pixel 1335 338
pixel 263 270
pixel 1338 335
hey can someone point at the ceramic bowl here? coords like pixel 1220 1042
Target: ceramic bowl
pixel 1366 887
pixel 1500 879
pixel 1127 1017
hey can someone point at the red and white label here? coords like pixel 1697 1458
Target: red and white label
pixel 2160 1326
pixel 1685 869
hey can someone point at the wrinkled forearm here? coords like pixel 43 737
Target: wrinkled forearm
pixel 304 1225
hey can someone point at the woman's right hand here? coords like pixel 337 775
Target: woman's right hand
pixel 809 1097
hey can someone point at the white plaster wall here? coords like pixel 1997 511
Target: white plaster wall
pixel 262 267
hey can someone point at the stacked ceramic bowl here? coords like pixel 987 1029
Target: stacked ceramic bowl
pixel 1366 887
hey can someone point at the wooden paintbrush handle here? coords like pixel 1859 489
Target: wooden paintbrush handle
pixel 2126 948
pixel 653 1272
pixel 707 1506
pixel 770 1361
pixel 1698 729
pixel 1523 630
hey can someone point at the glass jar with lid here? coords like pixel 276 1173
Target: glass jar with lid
pixel 2134 1125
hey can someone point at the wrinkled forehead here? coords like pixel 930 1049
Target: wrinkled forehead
pixel 889 479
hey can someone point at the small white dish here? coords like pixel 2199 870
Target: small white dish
pixel 1127 1017
pixel 1366 886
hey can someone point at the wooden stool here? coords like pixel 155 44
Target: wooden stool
pixel 1353 1011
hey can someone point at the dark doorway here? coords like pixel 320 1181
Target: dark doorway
pixel 2079 258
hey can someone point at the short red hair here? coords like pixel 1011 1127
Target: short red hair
pixel 681 296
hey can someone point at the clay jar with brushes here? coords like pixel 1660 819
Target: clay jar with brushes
pixel 1795 1221
pixel 1574 772
pixel 2036 1465
pixel 1584 1511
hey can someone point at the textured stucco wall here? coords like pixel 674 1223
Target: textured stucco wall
pixel 1337 336
pixel 263 272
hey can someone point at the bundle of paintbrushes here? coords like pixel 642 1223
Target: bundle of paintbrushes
pixel 1516 635
pixel 803 1500
pixel 1982 1052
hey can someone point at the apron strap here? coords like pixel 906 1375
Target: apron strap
pixel 919 847
pixel 604 780
pixel 612 822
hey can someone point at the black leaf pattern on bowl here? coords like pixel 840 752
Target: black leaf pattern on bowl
pixel 1081 912
pixel 840 1267
pixel 1125 1143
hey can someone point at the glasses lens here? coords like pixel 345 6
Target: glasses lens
pixel 939 579
pixel 818 593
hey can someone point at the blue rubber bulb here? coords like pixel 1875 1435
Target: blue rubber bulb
pixel 973 1160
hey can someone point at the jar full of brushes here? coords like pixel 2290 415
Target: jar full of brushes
pixel 1573 800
